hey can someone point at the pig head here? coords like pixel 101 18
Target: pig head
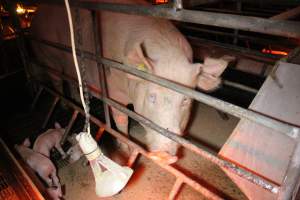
pixel 167 54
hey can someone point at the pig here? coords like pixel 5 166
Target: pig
pixel 42 165
pixel 154 46
pixel 48 140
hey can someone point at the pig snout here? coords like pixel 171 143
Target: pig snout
pixel 161 148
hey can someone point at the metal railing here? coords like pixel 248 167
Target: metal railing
pixel 291 29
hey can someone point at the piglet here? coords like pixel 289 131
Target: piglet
pixel 49 139
pixel 74 152
pixel 39 163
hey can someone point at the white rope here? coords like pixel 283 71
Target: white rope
pixel 75 60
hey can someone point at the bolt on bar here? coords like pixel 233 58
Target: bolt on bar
pixel 246 23
pixel 289 130
pixel 194 184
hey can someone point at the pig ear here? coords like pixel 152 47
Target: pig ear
pixel 57 125
pixel 136 56
pixel 26 142
pixel 209 77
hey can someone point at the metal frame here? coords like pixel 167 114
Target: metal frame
pixel 291 29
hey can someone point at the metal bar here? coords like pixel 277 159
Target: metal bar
pixel 240 86
pixel 38 94
pixel 10 74
pixel 178 5
pixel 254 24
pixel 134 155
pixel 285 42
pixel 287 129
pixel 56 99
pixel 70 124
pixel 102 77
pixel 287 14
pixel 194 184
pixel 199 41
pixel 175 189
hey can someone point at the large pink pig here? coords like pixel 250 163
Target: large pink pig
pixel 155 46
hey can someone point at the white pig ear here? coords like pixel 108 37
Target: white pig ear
pixel 209 77
pixel 26 142
pixel 136 56
pixel 57 125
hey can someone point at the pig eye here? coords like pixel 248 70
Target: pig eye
pixel 152 98
pixel 185 101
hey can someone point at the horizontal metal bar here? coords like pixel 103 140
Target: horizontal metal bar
pixel 194 184
pixel 240 86
pixel 189 145
pixel 280 127
pixel 287 14
pixel 246 23
pixel 6 75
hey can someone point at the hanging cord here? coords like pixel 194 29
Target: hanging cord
pixel 85 107
pixel 79 41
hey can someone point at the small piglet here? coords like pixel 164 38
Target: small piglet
pixel 39 163
pixel 49 139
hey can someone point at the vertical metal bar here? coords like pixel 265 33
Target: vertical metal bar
pixel 236 31
pixel 56 99
pixel 178 4
pixel 290 186
pixel 38 94
pixel 70 124
pixel 134 155
pixel 102 77
pixel 99 133
pixel 175 189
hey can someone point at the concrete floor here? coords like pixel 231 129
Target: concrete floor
pixel 151 182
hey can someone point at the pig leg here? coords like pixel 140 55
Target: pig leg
pixel 60 150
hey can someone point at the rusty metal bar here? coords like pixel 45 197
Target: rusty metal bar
pixel 175 189
pixel 280 127
pixel 290 186
pixel 246 23
pixel 56 99
pixel 134 155
pixel 194 184
pixel 70 124
pixel 38 94
pixel 102 77
pixel 189 145
pixel 287 14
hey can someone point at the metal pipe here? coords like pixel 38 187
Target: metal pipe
pixel 36 97
pixel 240 86
pixel 70 124
pixel 287 129
pixel 175 189
pixel 194 184
pixel 56 99
pixel 287 14
pixel 246 23
pixel 101 69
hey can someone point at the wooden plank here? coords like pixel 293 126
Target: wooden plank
pixel 258 148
